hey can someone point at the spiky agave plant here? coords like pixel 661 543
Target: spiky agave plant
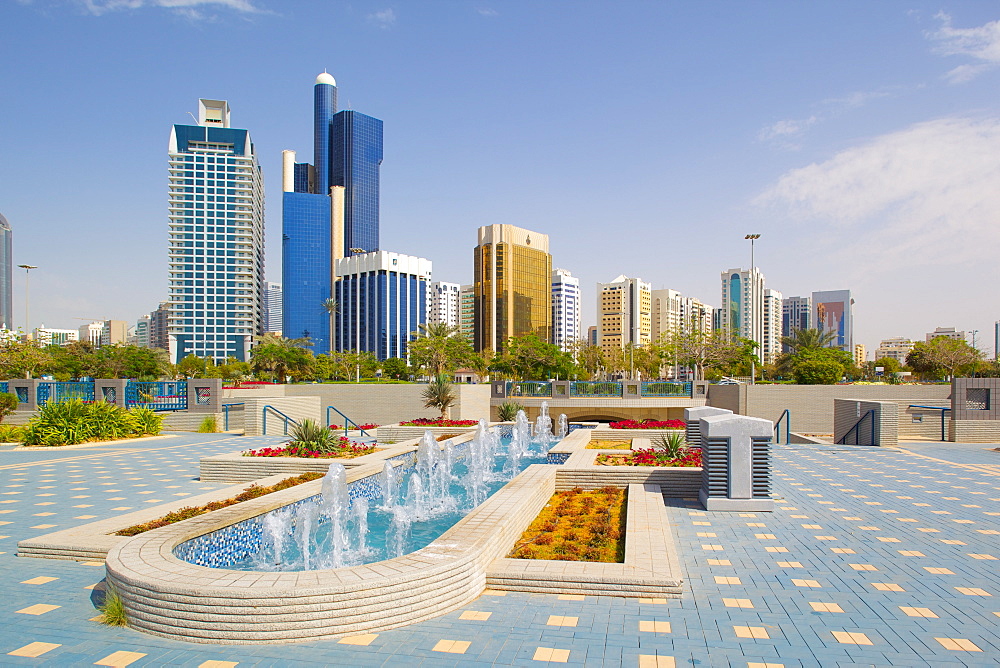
pixel 439 394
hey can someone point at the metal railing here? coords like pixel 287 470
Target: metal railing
pixel 660 388
pixel 225 414
pixel 157 395
pixel 529 388
pixel 58 392
pixel 943 409
pixel 856 430
pixel 583 388
pixel 347 421
pixel 786 417
pixel 286 418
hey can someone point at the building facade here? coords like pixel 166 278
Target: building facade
pixel 48 336
pixel 833 311
pixel 860 354
pixel 6 275
pixel 673 312
pixel 796 313
pixel 896 348
pixel 513 286
pixel 140 332
pixel 565 309
pixel 159 332
pixel 467 312
pixel 330 210
pixel 742 309
pixel 444 304
pixel 773 317
pixel 948 332
pixel 216 222
pixel 624 314
pixel 383 301
pixel 272 307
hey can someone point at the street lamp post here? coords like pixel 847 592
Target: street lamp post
pixel 753 287
pixel 27 269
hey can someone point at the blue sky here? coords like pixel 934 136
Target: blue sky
pixel 861 139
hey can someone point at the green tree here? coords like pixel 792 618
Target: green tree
pixel 808 339
pixel 480 363
pixel 888 364
pixel 943 355
pixel 395 368
pixel 529 358
pixel 278 357
pixel 332 308
pixel 22 359
pixel 439 394
pixel 589 358
pixel 715 350
pixel 192 366
pixel 438 348
pixel 818 366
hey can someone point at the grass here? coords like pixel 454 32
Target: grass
pixel 610 445
pixel 112 609
pixel 208 425
pixel 252 492
pixel 577 526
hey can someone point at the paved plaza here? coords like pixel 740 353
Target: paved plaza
pixel 873 557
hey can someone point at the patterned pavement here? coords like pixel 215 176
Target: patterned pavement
pixel 873 557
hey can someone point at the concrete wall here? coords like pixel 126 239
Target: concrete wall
pixel 297 408
pixel 605 409
pixel 884 423
pixel 974 431
pixel 812 405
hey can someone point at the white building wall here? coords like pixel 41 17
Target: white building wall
pixel 443 303
pixel 565 309
pixel 771 348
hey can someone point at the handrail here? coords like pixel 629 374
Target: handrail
pixel 347 421
pixel 937 408
pixel 843 439
pixel 264 420
pixel 225 414
pixel 787 417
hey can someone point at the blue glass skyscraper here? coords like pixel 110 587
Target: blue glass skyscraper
pixel 330 209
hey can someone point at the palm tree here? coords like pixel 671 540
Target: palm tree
pixel 438 347
pixel 439 394
pixel 280 357
pixel 331 306
pixel 808 339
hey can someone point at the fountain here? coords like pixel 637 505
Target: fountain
pixel 543 428
pixel 562 427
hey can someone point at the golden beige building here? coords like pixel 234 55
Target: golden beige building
pixel 624 308
pixel 513 286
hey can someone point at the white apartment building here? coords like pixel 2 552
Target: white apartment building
pixel 897 348
pixel 565 309
pixel 48 336
pixel 671 311
pixel 742 310
pixel 773 312
pixel 272 307
pixel 444 303
pixel 949 332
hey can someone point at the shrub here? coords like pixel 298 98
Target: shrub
pixel 817 372
pixel 8 404
pixel 208 425
pixel 112 609
pixel 74 421
pixel 10 433
pixel 507 411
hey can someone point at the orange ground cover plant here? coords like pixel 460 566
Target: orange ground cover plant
pixel 577 526
pixel 251 492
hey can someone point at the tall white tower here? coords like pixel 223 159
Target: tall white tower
pixel 565 309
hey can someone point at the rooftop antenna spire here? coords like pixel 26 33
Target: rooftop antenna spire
pixel 193 116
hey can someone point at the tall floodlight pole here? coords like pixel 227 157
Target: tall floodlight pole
pixel 753 288
pixel 975 369
pixel 27 269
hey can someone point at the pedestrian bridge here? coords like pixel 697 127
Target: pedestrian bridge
pixel 599 401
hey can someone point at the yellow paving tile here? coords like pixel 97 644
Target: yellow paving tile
pixel 494 592
pixel 475 615
pixel 452 646
pixel 719 562
pixel 953 542
pixel 755 632
pixel 652 601
pixel 707 534
pixel 958 644
pixel 119 659
pixel 723 580
pixel 655 661
pixel 37 609
pixel 885 539
pixel 842 550
pixel 776 549
pixel 863 567
pixel 982 556
pixel 40 580
pixel 765 536
pixel 806 583
pixel 572 597
pixel 34 650
pixel 790 564
pixel 911 553
pixel 551 654
pixel 648 626
pixel 887 586
pixel 972 591
pixel 737 602
pixel 825 607
pixel 758 664
pixel 363 640
pixel 218 664
pixel 849 638
pixel 935 570
pixel 43 526
pixel 917 612
pixel 712 548
pixel 558 620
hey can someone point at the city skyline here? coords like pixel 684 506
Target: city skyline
pixel 878 174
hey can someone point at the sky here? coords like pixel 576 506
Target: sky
pixel 860 139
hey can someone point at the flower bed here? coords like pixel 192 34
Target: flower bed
pixel 617 444
pixel 648 424
pixel 251 492
pixel 577 526
pixel 651 457
pixel 344 450
pixel 438 422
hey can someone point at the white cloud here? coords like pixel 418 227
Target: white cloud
pixel 783 132
pixel 786 129
pixel 384 18
pixel 189 8
pixel 981 43
pixel 487 11
pixel 926 195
